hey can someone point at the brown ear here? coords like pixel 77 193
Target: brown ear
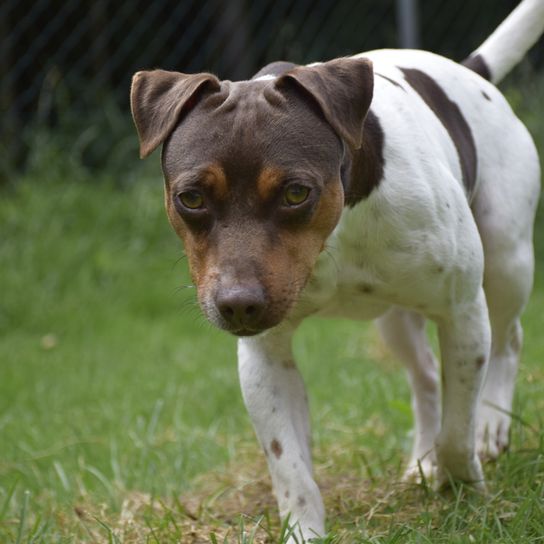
pixel 157 99
pixel 343 91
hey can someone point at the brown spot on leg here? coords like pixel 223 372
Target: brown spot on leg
pixel 276 448
pixel 288 364
pixel 480 361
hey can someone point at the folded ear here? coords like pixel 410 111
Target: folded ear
pixel 342 89
pixel 157 100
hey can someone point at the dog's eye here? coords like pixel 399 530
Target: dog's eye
pixel 191 199
pixel 295 194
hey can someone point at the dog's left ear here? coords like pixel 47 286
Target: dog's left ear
pixel 343 91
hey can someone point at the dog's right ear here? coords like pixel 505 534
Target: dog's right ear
pixel 158 98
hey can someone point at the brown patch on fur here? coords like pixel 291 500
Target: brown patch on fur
pixel 288 364
pixel 267 182
pixel 477 64
pixel 365 170
pixel 301 501
pixel 480 361
pixel 449 114
pixel 276 448
pixel 392 81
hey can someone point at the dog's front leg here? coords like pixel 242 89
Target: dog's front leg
pixel 465 344
pixel 276 400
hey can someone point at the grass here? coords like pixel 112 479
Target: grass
pixel 120 413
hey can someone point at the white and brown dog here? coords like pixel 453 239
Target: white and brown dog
pixel 415 174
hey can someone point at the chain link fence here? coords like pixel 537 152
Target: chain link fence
pixel 67 63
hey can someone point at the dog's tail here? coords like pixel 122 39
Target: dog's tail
pixel 510 41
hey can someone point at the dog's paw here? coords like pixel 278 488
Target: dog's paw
pixel 492 432
pixel 455 465
pixel 420 474
pixel 421 471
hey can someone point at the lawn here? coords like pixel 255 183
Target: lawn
pixel 121 418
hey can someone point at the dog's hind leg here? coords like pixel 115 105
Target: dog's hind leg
pixel 404 333
pixel 509 264
pixel 507 283
pixel 275 397
pixel 504 208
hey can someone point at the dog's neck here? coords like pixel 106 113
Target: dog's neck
pixel 362 169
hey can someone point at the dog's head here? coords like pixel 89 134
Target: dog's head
pixel 253 177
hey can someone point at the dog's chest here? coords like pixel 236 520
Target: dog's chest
pixel 376 259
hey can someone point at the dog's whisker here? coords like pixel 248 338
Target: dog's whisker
pixel 180 288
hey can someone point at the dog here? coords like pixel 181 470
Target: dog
pixel 394 185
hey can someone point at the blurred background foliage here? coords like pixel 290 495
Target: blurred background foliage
pixel 65 66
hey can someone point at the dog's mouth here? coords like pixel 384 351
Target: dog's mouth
pixel 246 332
pixel 247 329
pixel 241 331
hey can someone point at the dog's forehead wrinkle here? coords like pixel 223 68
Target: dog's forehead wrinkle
pixel 240 137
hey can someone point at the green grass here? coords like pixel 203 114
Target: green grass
pixel 121 418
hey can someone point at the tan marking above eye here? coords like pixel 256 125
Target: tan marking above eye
pixel 268 181
pixel 215 179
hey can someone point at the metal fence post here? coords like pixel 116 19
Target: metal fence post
pixel 407 24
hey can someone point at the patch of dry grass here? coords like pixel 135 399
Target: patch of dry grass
pixel 234 504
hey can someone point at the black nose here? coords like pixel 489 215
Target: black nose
pixel 241 308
